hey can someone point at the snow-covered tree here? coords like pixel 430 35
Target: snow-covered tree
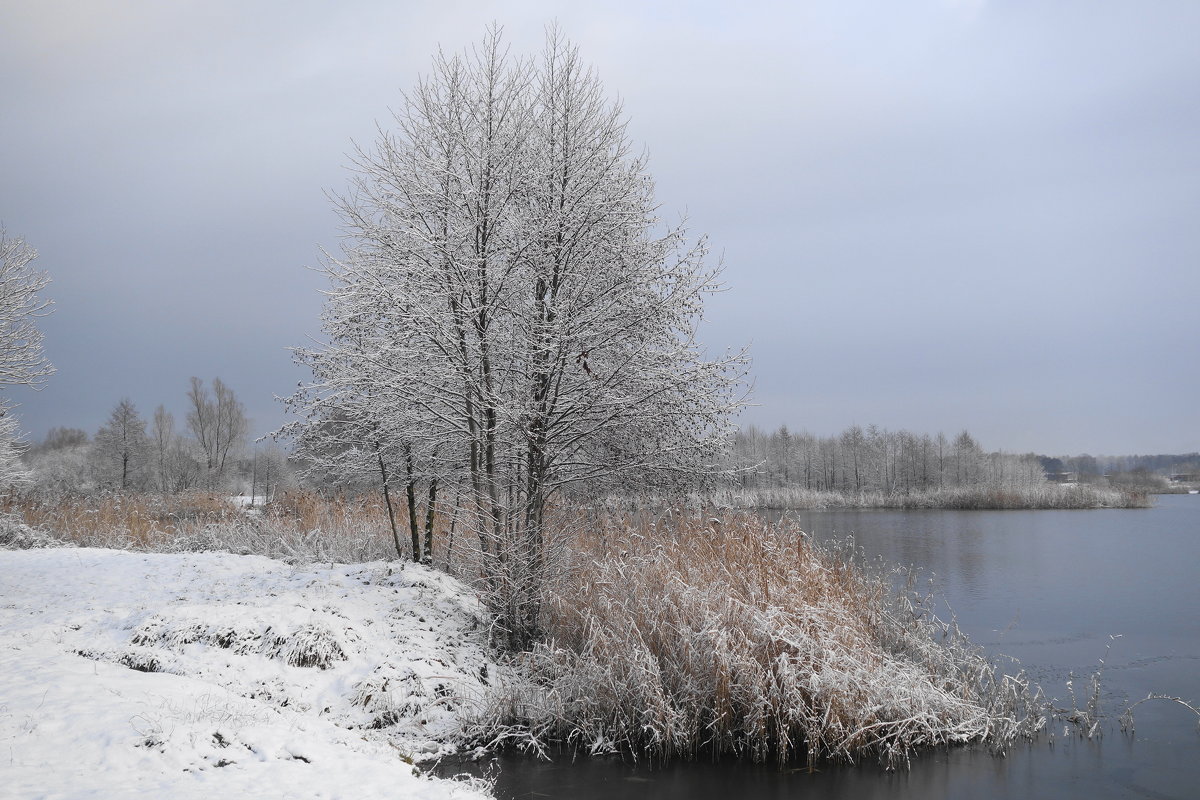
pixel 510 309
pixel 162 440
pixel 22 357
pixel 121 449
pixel 13 471
pixel 61 463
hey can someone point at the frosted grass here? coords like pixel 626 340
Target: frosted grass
pixel 724 637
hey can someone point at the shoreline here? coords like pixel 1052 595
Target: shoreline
pixel 1056 497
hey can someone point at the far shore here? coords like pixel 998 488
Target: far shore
pixel 1045 497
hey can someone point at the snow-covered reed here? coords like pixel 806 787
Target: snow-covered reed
pixel 710 637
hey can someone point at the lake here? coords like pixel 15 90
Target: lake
pixel 1057 590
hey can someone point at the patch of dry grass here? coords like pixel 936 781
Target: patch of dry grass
pixel 300 526
pixel 120 520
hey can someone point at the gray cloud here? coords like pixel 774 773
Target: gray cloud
pixel 934 215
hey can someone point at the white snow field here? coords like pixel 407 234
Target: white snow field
pixel 201 675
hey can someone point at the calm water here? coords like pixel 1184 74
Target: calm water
pixel 1050 588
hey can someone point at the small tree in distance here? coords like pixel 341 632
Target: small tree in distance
pixel 219 423
pixel 175 467
pixel 122 449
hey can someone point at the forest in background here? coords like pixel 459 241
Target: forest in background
pixel 867 465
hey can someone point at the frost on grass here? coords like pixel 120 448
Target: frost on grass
pixel 725 637
pixel 195 675
pixel 308 644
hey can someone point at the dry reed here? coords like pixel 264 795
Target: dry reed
pixel 711 637
pixel 300 526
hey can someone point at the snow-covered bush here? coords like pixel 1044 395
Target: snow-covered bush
pixel 16 535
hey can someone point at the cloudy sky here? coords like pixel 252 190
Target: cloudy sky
pixel 934 214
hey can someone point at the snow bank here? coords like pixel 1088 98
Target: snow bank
pixel 208 674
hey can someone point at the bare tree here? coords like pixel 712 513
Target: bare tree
pixel 967 458
pixel 162 437
pixel 267 469
pixel 60 438
pixel 122 449
pixel 509 308
pixel 218 422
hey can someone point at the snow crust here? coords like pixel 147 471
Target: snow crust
pixel 196 675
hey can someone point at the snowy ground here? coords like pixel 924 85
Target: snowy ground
pixel 204 675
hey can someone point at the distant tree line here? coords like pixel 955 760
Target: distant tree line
pixel 1092 466
pixel 874 459
pixel 1147 473
pixel 130 453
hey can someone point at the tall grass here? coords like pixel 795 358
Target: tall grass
pixel 300 526
pixel 1047 496
pixel 711 637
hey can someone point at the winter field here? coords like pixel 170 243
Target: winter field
pixel 198 675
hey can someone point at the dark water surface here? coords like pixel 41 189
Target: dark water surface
pixel 1049 588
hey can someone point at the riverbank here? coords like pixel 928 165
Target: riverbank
pixel 682 636
pixel 1042 497
pixel 198 675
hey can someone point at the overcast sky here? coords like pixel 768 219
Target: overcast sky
pixel 934 214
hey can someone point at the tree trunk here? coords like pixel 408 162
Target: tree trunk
pixel 410 490
pixel 429 512
pixel 387 499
